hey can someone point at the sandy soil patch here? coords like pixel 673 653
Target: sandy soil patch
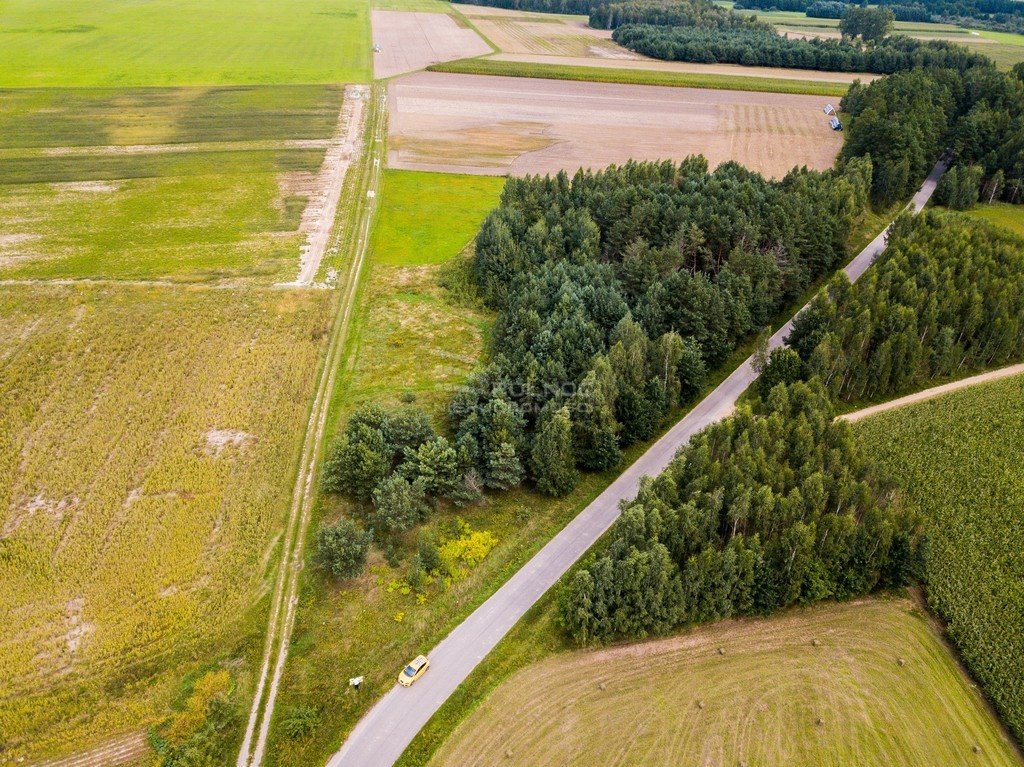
pixel 325 189
pixel 605 61
pixel 11 241
pixel 568 37
pixel 91 187
pixel 497 125
pixel 218 440
pixel 834 34
pixel 411 41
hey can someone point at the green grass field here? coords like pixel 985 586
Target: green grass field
pixel 640 77
pixel 1001 214
pixel 213 188
pixel 427 218
pixel 877 688
pixel 958 460
pixel 121 43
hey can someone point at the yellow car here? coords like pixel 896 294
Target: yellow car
pixel 416 668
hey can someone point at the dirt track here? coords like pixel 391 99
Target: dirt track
pixel 499 125
pixel 285 596
pixel 935 391
pixel 318 217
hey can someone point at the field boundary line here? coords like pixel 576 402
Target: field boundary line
pixel 285 598
pixel 933 392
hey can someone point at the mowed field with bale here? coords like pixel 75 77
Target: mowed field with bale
pixel 519 126
pixel 865 683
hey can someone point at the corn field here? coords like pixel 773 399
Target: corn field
pixel 958 459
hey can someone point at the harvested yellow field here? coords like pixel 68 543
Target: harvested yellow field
pixel 522 32
pixel 148 439
pixel 410 40
pixel 498 125
pixel 866 683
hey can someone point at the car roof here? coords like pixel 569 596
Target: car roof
pixel 418 661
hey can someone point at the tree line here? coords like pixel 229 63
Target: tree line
pixel 904 123
pixel 759 47
pixel 946 296
pixel 670 13
pixel 775 506
pixel 995 11
pixel 837 9
pixel 779 504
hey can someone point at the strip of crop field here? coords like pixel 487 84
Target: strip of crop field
pixel 958 461
pixel 359 216
pixel 486 66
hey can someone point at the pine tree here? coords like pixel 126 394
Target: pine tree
pixel 553 461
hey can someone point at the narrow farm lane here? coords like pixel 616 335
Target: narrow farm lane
pixel 354 236
pixel 385 732
pixel 935 391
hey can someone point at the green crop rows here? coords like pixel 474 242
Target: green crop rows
pixel 958 461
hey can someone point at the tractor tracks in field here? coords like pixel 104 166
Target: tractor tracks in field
pixel 350 231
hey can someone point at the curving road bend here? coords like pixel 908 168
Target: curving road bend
pixel 381 736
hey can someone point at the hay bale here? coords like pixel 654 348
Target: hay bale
pixel 600 685
pixel 901 661
pixel 721 651
pixel 700 704
pixel 815 642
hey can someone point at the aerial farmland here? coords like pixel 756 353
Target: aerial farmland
pixel 340 333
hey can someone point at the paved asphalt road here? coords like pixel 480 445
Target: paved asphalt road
pixel 383 734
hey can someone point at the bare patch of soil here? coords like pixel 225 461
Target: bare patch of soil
pixel 519 126
pixel 409 41
pixel 218 440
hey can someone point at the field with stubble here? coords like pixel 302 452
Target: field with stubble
pixel 866 683
pixel 519 126
pixel 148 437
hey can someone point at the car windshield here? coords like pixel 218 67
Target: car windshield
pixel 410 671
